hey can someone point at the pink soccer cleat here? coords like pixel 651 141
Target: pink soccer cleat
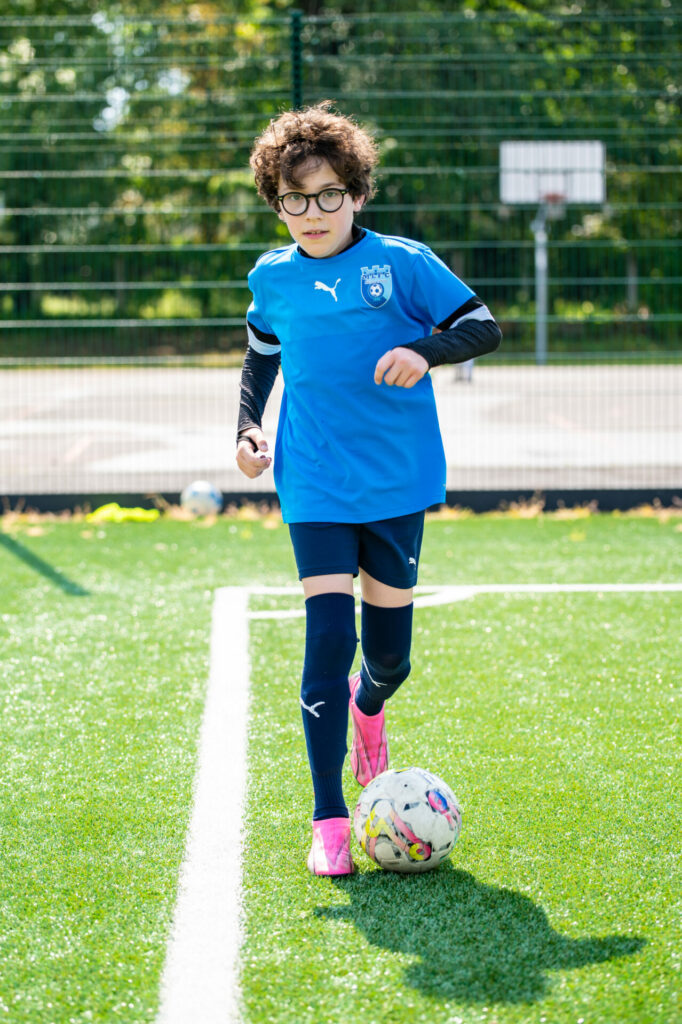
pixel 330 852
pixel 369 751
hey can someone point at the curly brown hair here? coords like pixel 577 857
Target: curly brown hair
pixel 313 133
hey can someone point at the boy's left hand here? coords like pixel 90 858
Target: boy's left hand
pixel 400 366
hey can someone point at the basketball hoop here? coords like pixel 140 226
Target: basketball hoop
pixel 554 204
pixel 549 176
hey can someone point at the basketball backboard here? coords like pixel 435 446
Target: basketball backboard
pixel 532 171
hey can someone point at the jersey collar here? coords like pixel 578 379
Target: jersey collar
pixel 357 236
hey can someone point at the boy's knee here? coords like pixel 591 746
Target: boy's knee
pixel 388 668
pixel 331 638
pixel 386 642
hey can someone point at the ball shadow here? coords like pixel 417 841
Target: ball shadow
pixel 474 943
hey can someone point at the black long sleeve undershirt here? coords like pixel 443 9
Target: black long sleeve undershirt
pixel 468 340
pixel 259 374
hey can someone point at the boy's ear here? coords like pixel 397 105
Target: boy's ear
pixel 358 203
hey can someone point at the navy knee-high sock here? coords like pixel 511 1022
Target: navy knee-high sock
pixel 386 641
pixel 330 645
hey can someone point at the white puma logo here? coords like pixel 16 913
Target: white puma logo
pixel 412 561
pixel 312 707
pixel 321 286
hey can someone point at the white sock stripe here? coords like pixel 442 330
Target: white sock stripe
pixel 375 682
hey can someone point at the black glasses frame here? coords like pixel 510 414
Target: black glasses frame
pixel 313 195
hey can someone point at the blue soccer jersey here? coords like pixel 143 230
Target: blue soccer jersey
pixel 348 450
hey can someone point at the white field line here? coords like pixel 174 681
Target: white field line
pixel 200 979
pixel 429 597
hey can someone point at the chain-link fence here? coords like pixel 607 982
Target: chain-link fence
pixel 128 220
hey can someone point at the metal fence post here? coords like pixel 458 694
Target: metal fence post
pixel 539 229
pixel 296 60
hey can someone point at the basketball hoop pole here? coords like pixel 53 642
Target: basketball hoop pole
pixel 552 174
pixel 539 229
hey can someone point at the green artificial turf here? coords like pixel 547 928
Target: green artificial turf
pixel 552 717
pixel 555 721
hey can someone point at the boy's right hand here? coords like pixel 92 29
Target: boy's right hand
pixel 253 461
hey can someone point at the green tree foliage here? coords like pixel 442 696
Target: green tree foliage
pixel 447 93
pixel 126 132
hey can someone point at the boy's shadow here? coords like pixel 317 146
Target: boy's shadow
pixel 475 943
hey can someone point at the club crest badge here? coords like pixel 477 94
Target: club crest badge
pixel 376 285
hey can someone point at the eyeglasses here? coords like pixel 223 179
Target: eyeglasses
pixel 329 200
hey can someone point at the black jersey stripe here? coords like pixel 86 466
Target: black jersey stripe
pixel 467 307
pixel 263 336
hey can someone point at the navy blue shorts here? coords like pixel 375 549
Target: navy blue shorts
pixel 387 549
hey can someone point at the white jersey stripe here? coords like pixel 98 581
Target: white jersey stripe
pixel 264 347
pixel 480 313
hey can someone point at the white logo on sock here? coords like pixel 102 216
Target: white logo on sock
pixel 411 561
pixel 321 286
pixel 312 707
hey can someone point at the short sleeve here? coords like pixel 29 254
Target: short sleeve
pixel 436 292
pixel 262 338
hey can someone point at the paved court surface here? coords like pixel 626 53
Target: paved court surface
pixel 123 430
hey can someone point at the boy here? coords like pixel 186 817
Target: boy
pixel 350 314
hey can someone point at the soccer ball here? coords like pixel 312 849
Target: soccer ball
pixel 375 290
pixel 407 819
pixel 201 498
